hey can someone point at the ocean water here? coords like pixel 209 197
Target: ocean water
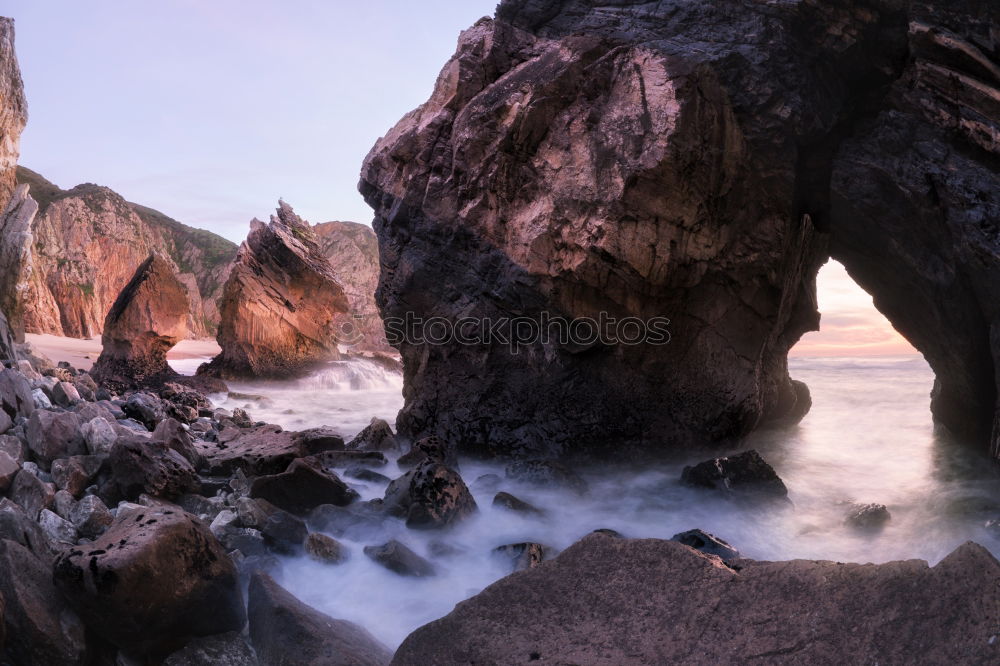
pixel 868 438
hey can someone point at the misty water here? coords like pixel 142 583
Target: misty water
pixel 868 438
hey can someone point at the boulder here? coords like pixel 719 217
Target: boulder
pixel 58 529
pixel 99 435
pixel 430 496
pixel 746 473
pixel 8 470
pixel 40 628
pixel 177 438
pixel 707 543
pixel 17 526
pixel 147 319
pixel 14 447
pixel 152 581
pixel 511 503
pixel 16 397
pixel 54 435
pixel 5 422
pixel 229 649
pixel 325 549
pixel 331 459
pixel 868 516
pixel 377 436
pixel 616 601
pixel 145 408
pixel 281 304
pixel 301 488
pixel 262 450
pixel 356 521
pixel 32 493
pixel 90 516
pixel 285 631
pixel 521 556
pixel 65 394
pixel 433 449
pixel 399 559
pixel 545 473
pixel 137 465
pixel 366 475
pixel 76 473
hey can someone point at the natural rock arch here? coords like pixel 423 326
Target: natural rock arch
pixel 699 161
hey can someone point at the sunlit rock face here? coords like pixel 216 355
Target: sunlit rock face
pixel 15 258
pixel 147 319
pixel 636 158
pixel 282 305
pixel 88 242
pixel 13 110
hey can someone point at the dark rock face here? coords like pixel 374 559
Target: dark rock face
pixel 137 465
pixel 301 488
pixel 630 158
pixel 744 473
pixel 156 578
pixel 147 319
pixel 281 304
pixel 430 496
pixel 285 631
pixel 618 601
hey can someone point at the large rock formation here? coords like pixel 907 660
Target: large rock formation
pixel 615 601
pixel 88 242
pixel 15 257
pixel 147 319
pixel 282 304
pixel 13 110
pixel 352 250
pixel 693 161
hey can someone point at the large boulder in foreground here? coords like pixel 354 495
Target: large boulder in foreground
pixel 156 578
pixel 147 319
pixel 607 600
pixel 281 304
pixel 687 160
pixel 285 631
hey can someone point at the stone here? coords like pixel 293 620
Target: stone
pixel 54 435
pixel 76 473
pixel 16 397
pixel 262 450
pixel 364 474
pixel 545 473
pixel 301 488
pixel 14 447
pixel 172 433
pixel 229 649
pixel 868 516
pixel 63 503
pixel 137 466
pixel 745 473
pixel 433 449
pixel 57 528
pixel 521 556
pixel 431 496
pixel 32 493
pixel 376 436
pixel 16 240
pixel 399 559
pixel 41 399
pixel 8 470
pixel 325 549
pixel 608 600
pixel 283 532
pixel 356 521
pixel 65 394
pixel 40 628
pixel 90 516
pixel 281 305
pixel 487 483
pixel 145 408
pixel 17 526
pixel 282 626
pixel 99 435
pixel 334 459
pixel 152 581
pixel 5 422
pixel 511 503
pixel 707 543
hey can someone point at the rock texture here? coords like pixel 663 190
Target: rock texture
pixel 282 304
pixel 15 258
pixel 608 600
pixel 147 319
pixel 89 241
pixel 689 160
pixel 13 110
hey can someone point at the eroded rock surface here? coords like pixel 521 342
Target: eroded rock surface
pixel 608 600
pixel 13 110
pixel 281 304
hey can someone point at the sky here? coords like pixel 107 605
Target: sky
pixel 210 110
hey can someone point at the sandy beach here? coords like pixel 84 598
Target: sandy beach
pixel 83 352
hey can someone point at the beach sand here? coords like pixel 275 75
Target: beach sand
pixel 82 353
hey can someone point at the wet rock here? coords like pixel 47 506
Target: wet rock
pixel 333 459
pixel 147 319
pixel 241 419
pixel 229 649
pixel 437 498
pixel 152 581
pixel 16 397
pixel 282 532
pixel 136 466
pixel 90 516
pixel 76 473
pixel 487 483
pixel 511 503
pixel 377 436
pixel 99 436
pixel 399 559
pixel 707 543
pixel 429 449
pixel 176 437
pixel 281 304
pixel 318 440
pixel 57 528
pixel 743 473
pixel 657 601
pixel 325 549
pixel 263 450
pixel 301 488
pixel 54 435
pixel 32 493
pixel 145 408
pixel 868 516
pixel 521 555
pixel 364 474
pixel 546 473
pixel 8 470
pixel 65 394
pixel 40 628
pixel 356 521
pixel 281 626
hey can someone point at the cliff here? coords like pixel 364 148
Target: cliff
pixel 13 110
pixel 698 162
pixel 88 242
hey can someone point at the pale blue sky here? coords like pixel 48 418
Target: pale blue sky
pixel 209 110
